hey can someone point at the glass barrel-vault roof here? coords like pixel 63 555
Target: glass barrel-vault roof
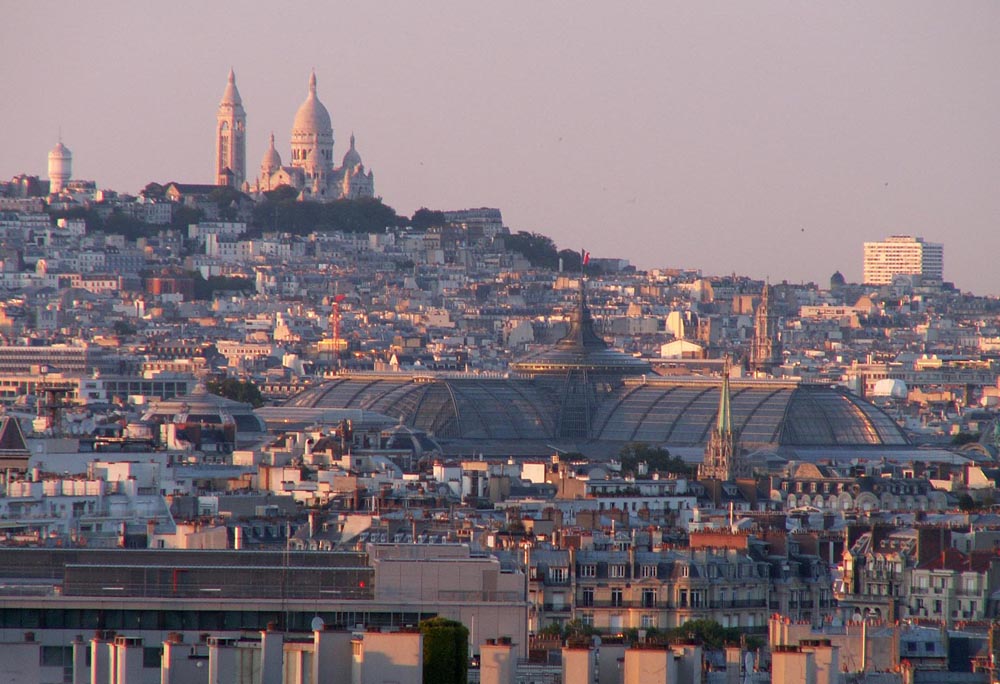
pixel 669 411
pixel 682 413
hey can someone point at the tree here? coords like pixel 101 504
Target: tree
pixel 571 260
pixel 538 249
pixel 206 288
pixel 446 651
pixel 154 191
pixel 424 218
pixel 709 634
pixel 123 328
pixel 184 216
pixel 282 193
pixel 121 224
pixel 282 211
pixel 91 217
pixel 657 459
pixel 963 438
pixel 243 391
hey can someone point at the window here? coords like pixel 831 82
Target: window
pixel 682 599
pixel 587 619
pixel 648 621
pixel 588 570
pixel 587 598
pixel 558 574
pixel 616 571
pixel 649 571
pixel 616 598
pixel 648 598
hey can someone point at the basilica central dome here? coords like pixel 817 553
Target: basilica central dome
pixel 312 117
pixel 312 138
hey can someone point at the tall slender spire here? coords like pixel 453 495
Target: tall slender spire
pixel 724 458
pixel 765 347
pixel 724 424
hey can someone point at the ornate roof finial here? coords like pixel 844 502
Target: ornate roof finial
pixel 312 83
pixel 232 76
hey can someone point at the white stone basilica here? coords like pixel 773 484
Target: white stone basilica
pixel 312 171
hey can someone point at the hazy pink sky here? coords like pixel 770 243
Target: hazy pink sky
pixel 765 138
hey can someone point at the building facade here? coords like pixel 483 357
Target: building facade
pixel 902 255
pixel 313 172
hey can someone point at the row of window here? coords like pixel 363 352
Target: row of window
pixel 182 620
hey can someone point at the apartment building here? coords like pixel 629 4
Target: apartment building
pixel 902 255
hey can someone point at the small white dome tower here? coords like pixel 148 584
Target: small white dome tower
pixel 60 167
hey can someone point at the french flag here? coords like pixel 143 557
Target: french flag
pixel 586 256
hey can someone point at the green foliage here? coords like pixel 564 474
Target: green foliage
pixel 446 651
pixel 238 390
pixel 90 216
pixel 538 249
pixel 571 260
pixel 206 289
pixel 576 630
pixel 983 500
pixel 708 633
pixel 553 629
pixel 184 216
pixel 965 438
pixel 227 199
pixel 121 224
pixel 123 328
pixel 284 213
pixel 425 218
pixel 153 190
pixel 282 193
pixel 658 459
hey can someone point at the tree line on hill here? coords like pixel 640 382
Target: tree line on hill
pixel 280 210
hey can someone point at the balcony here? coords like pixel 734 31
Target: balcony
pixel 554 608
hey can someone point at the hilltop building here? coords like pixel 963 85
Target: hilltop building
pixel 231 150
pixel 60 167
pixel 312 171
pixel 902 255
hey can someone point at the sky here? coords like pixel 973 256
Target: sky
pixel 765 138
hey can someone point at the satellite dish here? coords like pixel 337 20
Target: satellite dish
pixel 317 624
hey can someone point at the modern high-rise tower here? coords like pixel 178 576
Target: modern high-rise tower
pixel 902 255
pixel 230 148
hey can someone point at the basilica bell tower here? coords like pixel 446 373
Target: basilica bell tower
pixel 230 134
